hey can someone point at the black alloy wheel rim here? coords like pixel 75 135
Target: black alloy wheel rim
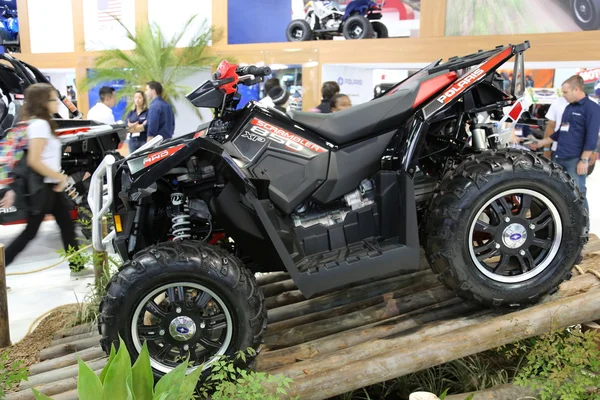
pixel 181 320
pixel 515 236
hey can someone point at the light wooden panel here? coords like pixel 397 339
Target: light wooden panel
pixel 433 18
pixel 24 36
pixel 78 32
pixel 141 12
pixel 220 22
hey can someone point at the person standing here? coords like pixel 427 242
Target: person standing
pixel 554 117
pixel 279 96
pixel 328 90
pixel 102 111
pixel 136 121
pixel 269 85
pixel 577 135
pixel 340 102
pixel 44 152
pixel 161 119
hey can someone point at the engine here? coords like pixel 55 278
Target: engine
pixel 309 215
pixel 331 23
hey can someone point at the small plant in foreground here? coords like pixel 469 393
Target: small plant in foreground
pixel 563 365
pixel 79 258
pixel 121 381
pixel 229 382
pixel 10 375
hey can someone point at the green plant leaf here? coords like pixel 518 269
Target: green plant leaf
pixel 40 396
pixel 130 395
pixel 172 382
pixel 89 386
pixel 111 357
pixel 163 396
pixel 115 382
pixel 189 384
pixel 143 380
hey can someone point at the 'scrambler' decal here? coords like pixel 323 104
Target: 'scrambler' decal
pixel 281 136
pixel 160 155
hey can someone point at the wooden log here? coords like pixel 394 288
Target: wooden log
pixel 500 392
pixel 413 336
pixel 271 277
pixel 60 374
pixel 340 298
pixel 367 296
pixel 273 289
pixel 65 361
pixel 70 395
pixel 76 330
pixel 73 338
pixel 327 345
pixel 63 349
pixel 4 324
pixel 284 299
pixel 455 344
pixel 390 308
pixel 49 389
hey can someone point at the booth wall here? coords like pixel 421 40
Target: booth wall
pixel 431 45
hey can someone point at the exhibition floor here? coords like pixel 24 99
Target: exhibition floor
pixel 33 295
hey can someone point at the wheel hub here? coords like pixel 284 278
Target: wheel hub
pixel 514 236
pixel 182 328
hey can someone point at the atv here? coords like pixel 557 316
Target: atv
pixel 333 199
pixel 326 19
pixel 85 143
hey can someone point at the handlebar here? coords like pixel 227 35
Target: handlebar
pixel 254 70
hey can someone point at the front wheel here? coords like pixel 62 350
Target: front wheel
pixel 298 31
pixel 506 228
pixel 358 27
pixel 586 14
pixel 184 299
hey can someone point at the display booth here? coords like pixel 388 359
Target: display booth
pixel 254 32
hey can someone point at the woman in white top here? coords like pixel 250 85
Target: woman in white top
pixel 44 152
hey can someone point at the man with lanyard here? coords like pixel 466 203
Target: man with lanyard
pixel 161 119
pixel 577 135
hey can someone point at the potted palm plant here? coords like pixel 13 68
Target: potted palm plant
pixel 155 57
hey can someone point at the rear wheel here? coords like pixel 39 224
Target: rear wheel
pixel 358 27
pixel 184 299
pixel 586 13
pixel 298 31
pixel 381 31
pixel 506 228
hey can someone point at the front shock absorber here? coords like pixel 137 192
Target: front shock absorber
pixel 71 190
pixel 180 221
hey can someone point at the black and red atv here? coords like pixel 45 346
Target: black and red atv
pixel 85 143
pixel 332 199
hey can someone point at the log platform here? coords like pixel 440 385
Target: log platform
pixel 361 335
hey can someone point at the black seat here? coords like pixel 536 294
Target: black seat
pixel 361 121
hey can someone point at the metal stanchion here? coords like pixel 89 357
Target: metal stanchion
pixel 101 258
pixel 4 328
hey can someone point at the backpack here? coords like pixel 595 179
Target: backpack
pixel 12 150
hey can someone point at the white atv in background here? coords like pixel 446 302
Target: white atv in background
pixel 326 19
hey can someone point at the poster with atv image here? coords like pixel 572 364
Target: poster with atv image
pixel 506 17
pixel 302 20
pixel 10 40
pixel 353 19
